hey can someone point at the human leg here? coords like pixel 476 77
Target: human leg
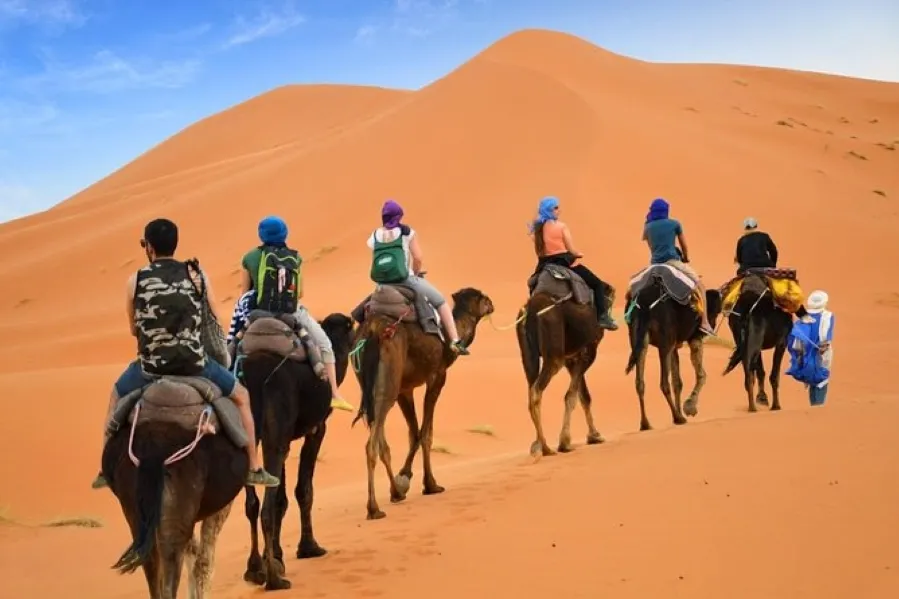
pixel 599 297
pixel 436 299
pixel 817 395
pixel 232 389
pixel 321 339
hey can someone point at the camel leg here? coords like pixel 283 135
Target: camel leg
pixel 776 362
pixel 691 406
pixel 308 546
pixel 273 459
pixel 281 505
pixel 432 394
pixel 665 360
pixel 762 397
pixel 677 384
pixel 203 554
pixel 406 401
pixel 593 435
pixel 640 384
pixel 575 372
pixel 385 393
pixel 254 573
pixel 535 400
pixel 151 566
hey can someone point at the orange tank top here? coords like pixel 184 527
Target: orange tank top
pixel 553 241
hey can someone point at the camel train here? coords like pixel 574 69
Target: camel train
pixel 170 469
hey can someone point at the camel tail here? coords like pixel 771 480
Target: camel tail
pixel 530 355
pixel 371 357
pixel 150 484
pixel 640 324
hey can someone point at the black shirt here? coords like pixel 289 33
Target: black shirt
pixel 756 250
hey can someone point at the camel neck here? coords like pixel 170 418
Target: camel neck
pixel 466 325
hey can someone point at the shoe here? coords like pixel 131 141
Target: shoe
pixel 339 403
pixel 460 349
pixel 262 478
pixel 99 482
pixel 606 322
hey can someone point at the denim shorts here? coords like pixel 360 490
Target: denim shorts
pixel 134 378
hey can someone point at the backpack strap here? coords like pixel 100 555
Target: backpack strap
pixel 194 265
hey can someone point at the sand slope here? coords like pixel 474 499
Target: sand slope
pixel 813 157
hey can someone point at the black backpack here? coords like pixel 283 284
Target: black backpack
pixel 277 280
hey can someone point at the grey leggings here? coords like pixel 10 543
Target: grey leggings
pixel 434 297
pixel 305 320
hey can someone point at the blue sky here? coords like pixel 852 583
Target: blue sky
pixel 88 85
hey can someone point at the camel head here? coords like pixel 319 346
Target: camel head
pixel 472 302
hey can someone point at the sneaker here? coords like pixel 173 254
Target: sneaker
pixel 99 482
pixel 339 403
pixel 606 322
pixel 262 478
pixel 457 347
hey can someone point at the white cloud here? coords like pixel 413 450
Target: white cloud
pixel 18 200
pixel 267 23
pixel 365 33
pixel 41 11
pixel 419 18
pixel 18 115
pixel 107 73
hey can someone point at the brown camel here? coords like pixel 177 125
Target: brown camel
pixel 162 502
pixel 397 355
pixel 660 313
pixel 558 324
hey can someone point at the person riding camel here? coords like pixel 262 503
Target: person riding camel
pixel 660 233
pixel 260 274
pixel 164 314
pixel 755 249
pixel 397 259
pixel 553 245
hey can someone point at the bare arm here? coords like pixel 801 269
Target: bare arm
pixel 210 296
pixel 569 242
pixel 245 281
pixel 130 288
pixel 415 250
pixel 682 240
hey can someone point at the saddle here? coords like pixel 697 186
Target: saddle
pixel 400 302
pixel 561 283
pixel 676 284
pixel 782 283
pixel 275 334
pixel 181 400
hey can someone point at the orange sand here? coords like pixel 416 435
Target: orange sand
pixel 800 503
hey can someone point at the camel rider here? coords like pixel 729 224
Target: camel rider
pixel 553 245
pixel 755 249
pixel 396 258
pixel 260 273
pixel 660 233
pixel 164 311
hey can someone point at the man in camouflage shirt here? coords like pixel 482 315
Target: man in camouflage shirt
pixel 164 308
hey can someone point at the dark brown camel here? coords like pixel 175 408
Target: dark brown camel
pixel 162 503
pixel 758 324
pixel 560 332
pixel 396 357
pixel 289 402
pixel 657 319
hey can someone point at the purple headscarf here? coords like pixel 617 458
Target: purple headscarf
pixel 391 214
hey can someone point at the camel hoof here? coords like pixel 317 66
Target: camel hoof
pixel 752 408
pixel 536 449
pixel 690 408
pixel 375 515
pixel 433 490
pixel 762 400
pixel 645 426
pixel 280 568
pixel 680 420
pixel 564 448
pixel 775 407
pixel 254 577
pixel 310 550
pixel 278 584
pixel 595 439
pixel 402 483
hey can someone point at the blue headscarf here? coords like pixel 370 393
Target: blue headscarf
pixel 545 211
pixel 272 230
pixel 658 210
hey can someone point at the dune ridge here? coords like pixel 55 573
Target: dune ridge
pixel 813 157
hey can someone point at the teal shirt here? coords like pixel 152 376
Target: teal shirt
pixel 662 235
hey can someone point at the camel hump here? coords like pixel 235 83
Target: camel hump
pixel 267 333
pixel 782 283
pixel 560 281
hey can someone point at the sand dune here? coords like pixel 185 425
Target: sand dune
pixel 794 500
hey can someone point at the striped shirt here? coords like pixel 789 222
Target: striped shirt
pixel 242 309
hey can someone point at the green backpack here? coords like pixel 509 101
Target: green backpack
pixel 388 264
pixel 277 280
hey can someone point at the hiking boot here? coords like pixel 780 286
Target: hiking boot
pixel 606 322
pixel 460 349
pixel 99 482
pixel 339 403
pixel 262 478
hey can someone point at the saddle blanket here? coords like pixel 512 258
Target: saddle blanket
pixel 676 283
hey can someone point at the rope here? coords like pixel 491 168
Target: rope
pixel 541 312
pixel 203 428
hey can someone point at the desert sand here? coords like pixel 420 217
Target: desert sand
pixel 799 503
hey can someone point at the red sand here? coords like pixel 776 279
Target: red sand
pixel 800 503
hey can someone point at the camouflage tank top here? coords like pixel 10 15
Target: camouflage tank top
pixel 168 316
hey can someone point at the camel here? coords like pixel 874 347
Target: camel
pixel 558 324
pixel 289 401
pixel 758 323
pixel 659 314
pixel 397 354
pixel 162 502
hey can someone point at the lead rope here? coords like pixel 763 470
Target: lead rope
pixel 203 428
pixel 541 312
